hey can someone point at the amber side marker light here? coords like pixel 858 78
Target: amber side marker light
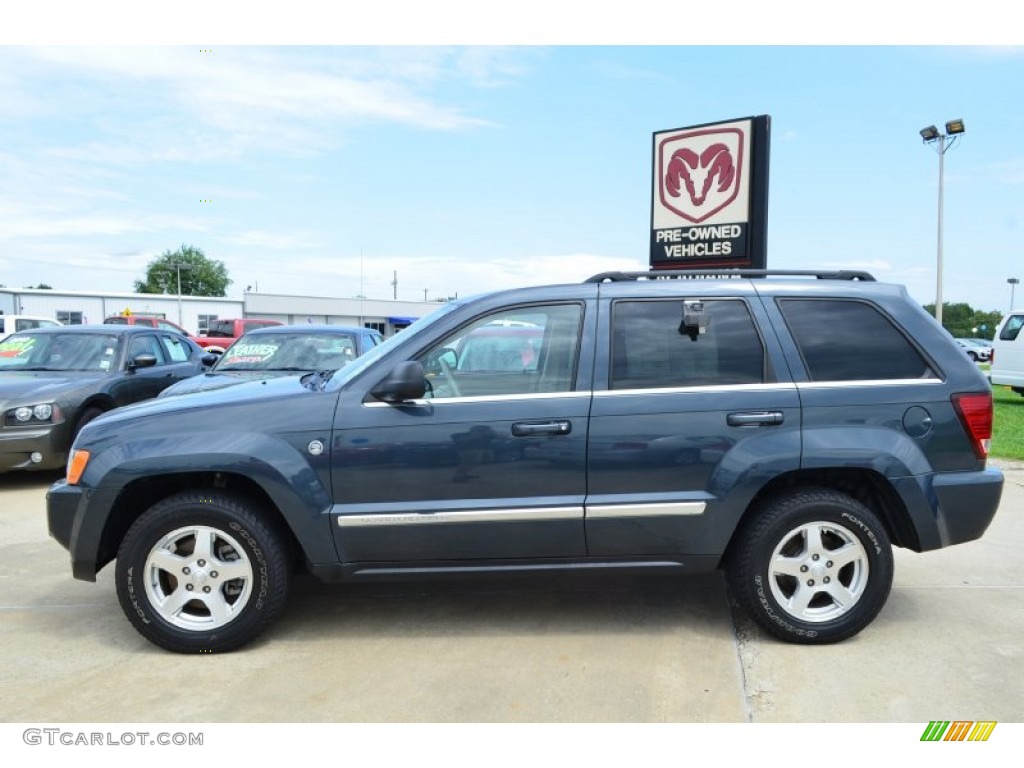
pixel 76 466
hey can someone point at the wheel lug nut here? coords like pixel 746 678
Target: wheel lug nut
pixel 206 589
pixel 803 569
pixel 826 579
pixel 813 557
pixel 213 574
pixel 203 562
pixel 829 564
pixel 810 582
pixel 186 570
pixel 189 587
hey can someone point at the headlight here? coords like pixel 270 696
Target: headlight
pixel 28 415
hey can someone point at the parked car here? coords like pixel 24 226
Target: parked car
pixel 223 332
pixel 789 428
pixel 979 350
pixel 54 381
pixel 13 323
pixel 1008 353
pixel 282 350
pixel 150 321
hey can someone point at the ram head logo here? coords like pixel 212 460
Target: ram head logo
pixel 701 177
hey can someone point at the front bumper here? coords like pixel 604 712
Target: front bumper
pixel 18 444
pixel 66 507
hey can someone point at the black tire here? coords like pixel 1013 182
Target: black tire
pixel 231 559
pixel 814 566
pixel 86 416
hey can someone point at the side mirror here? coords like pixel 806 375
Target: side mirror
pixel 439 358
pixel 209 359
pixel 142 361
pixel 405 382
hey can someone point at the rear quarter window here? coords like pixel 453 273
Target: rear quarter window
pixel 850 340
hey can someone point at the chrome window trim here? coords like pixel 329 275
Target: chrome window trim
pixel 537 514
pixel 700 389
pixel 526 396
pixel 846 383
pixel 674 509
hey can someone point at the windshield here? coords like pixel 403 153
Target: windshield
pixel 299 351
pixel 59 352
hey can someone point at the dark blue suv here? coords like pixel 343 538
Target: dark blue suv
pixel 787 427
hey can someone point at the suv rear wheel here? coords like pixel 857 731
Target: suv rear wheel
pixel 202 573
pixel 813 566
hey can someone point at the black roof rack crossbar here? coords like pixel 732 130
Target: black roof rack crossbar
pixel 669 274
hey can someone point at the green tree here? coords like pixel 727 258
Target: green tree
pixel 962 319
pixel 200 276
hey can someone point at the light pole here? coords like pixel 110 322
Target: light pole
pixel 931 135
pixel 1013 281
pixel 178 266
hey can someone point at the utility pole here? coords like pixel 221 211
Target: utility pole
pixel 394 284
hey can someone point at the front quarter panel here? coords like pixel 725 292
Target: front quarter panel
pixel 279 443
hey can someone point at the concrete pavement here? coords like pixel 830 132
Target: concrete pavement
pixel 597 648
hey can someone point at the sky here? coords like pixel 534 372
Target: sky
pixel 338 159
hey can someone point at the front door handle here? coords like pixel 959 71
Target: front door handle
pixel 754 419
pixel 531 428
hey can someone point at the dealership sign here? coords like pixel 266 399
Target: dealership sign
pixel 710 197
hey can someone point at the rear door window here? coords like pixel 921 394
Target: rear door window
pixel 651 347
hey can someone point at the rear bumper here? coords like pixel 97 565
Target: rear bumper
pixel 951 507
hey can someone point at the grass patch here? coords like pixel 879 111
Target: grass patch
pixel 1007 424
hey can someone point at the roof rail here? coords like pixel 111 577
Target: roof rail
pixel 683 274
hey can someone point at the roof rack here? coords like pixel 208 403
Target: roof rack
pixel 682 274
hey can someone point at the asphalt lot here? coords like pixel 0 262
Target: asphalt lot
pixel 605 648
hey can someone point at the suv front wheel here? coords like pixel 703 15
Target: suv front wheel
pixel 813 566
pixel 202 573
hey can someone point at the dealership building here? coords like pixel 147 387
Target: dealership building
pixel 196 312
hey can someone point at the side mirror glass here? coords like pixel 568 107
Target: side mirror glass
pixel 438 360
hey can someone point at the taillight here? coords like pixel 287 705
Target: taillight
pixel 975 412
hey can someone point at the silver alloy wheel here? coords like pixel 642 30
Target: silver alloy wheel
pixel 198 578
pixel 818 572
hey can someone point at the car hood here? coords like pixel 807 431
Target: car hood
pixel 238 395
pixel 42 385
pixel 214 380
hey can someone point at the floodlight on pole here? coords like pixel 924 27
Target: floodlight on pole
pixel 943 141
pixel 1013 281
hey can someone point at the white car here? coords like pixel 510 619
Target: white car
pixel 979 350
pixel 13 323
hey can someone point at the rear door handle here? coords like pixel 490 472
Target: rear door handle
pixel 531 428
pixel 754 419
